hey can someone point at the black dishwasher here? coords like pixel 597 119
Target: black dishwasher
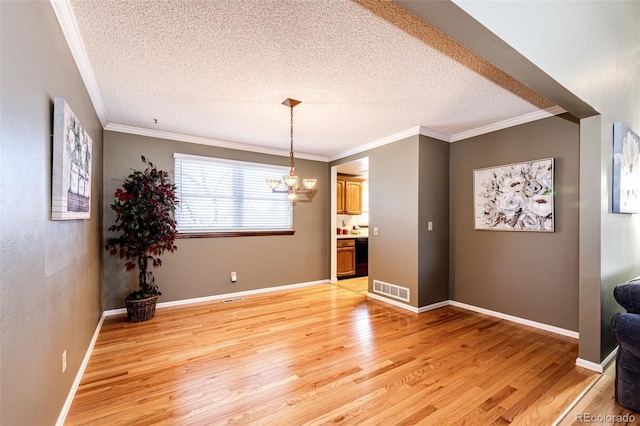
pixel 362 257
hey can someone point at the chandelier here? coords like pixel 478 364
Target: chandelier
pixel 291 181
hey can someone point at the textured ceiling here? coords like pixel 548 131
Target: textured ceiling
pixel 217 71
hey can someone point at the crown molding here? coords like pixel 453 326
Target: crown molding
pixel 418 130
pixel 516 121
pixel 421 130
pixel 69 26
pixel 121 128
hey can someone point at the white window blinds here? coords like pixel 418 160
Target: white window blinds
pixel 229 196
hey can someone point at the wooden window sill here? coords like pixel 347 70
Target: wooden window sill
pixel 186 235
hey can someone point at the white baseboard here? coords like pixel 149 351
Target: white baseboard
pixel 609 358
pixel 405 306
pixel 594 366
pixel 392 302
pixel 434 306
pixel 535 324
pixel 76 382
pixel 222 296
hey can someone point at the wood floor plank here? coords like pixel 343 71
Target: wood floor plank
pixel 324 354
pixel 599 400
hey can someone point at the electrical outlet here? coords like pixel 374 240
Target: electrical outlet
pixel 64 361
pixel 430 226
pixel 234 277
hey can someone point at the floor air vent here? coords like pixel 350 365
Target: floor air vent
pixel 235 299
pixel 392 290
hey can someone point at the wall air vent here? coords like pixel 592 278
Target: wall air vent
pixel 235 299
pixel 392 290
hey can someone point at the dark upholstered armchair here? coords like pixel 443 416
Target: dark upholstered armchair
pixel 626 329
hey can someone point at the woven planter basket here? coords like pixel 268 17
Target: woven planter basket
pixel 139 310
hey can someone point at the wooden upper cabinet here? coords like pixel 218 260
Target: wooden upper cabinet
pixel 340 200
pixel 349 195
pixel 353 197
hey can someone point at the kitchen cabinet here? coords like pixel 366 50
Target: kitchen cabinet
pixel 349 195
pixel 352 257
pixel 346 258
pixel 340 196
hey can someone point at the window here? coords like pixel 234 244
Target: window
pixel 229 197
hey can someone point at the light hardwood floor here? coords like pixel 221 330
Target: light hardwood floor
pixel 325 354
pixel 599 403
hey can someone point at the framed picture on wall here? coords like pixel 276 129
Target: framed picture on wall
pixel 515 197
pixel 71 172
pixel 626 170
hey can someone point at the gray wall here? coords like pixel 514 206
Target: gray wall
pixel 50 270
pixel 591 188
pixel 202 266
pixel 433 246
pixel 393 209
pixel 619 240
pixel 531 275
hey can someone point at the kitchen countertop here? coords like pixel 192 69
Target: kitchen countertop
pixel 342 237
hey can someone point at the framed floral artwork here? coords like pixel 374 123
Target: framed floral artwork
pixel 71 173
pixel 626 170
pixel 515 197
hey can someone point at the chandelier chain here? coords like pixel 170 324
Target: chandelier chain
pixel 291 151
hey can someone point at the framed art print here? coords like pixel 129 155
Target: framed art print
pixel 515 197
pixel 626 170
pixel 71 172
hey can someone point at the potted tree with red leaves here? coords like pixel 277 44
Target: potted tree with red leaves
pixel 144 209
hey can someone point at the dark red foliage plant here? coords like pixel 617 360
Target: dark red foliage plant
pixel 144 209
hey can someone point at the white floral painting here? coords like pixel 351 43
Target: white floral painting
pixel 71 174
pixel 626 170
pixel 515 197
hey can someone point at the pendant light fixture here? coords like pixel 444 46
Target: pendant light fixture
pixel 291 181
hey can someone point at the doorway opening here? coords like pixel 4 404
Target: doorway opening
pixel 350 222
